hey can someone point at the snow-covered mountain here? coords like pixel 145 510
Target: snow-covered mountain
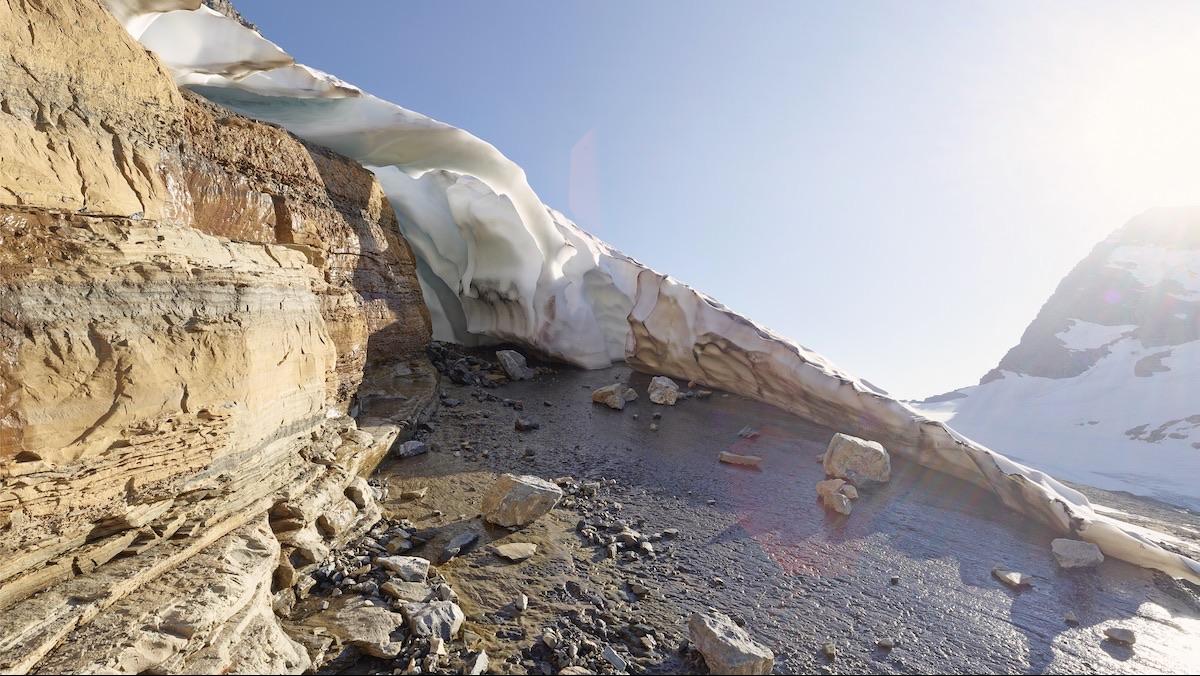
pixel 1104 387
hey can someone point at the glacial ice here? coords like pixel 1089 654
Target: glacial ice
pixel 497 265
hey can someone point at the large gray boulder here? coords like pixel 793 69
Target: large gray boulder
pixel 519 500
pixel 857 459
pixel 513 363
pixel 726 647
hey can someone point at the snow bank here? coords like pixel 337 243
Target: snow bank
pixel 496 264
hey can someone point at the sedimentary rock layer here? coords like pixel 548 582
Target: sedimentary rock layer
pixel 190 305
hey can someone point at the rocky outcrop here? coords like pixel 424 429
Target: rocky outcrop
pixel 192 305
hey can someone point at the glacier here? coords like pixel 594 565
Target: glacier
pixel 496 264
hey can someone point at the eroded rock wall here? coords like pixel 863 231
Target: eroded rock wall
pixel 191 304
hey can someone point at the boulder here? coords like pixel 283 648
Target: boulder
pixel 613 396
pixel 519 500
pixel 410 448
pixel 437 618
pixel 663 391
pixel 513 363
pixel 857 459
pixel 1076 553
pixel 726 647
pixel 407 568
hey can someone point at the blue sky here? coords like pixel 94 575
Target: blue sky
pixel 896 185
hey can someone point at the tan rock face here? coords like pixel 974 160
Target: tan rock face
pixel 190 303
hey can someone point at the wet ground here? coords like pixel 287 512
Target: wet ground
pixel 757 545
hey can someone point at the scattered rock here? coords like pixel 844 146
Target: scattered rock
pixel 613 658
pixel 1121 635
pixel 1071 618
pixel 630 394
pixel 476 664
pixel 748 432
pixel 832 496
pixel 443 592
pixel 416 494
pixel 1012 578
pixel 515 551
pixel 885 643
pixel 736 459
pixel 726 647
pixel 525 425
pixel 522 603
pixel 407 568
pixel 514 366
pixel 436 618
pixel 653 427
pixel 663 391
pixel 458 544
pixel 849 491
pixel 406 591
pixel 857 459
pixel 829 650
pixel 612 396
pixel 410 448
pixel 519 500
pixel 1076 553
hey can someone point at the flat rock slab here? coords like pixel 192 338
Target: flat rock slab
pixel 515 551
pixel 407 568
pixel 1012 578
pixel 1076 553
pixel 519 500
pixel 413 592
pixel 375 630
pixel 726 647
pixel 737 459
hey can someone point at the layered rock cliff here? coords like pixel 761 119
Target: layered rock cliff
pixel 192 306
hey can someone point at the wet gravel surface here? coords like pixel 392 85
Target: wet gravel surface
pixel 757 545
